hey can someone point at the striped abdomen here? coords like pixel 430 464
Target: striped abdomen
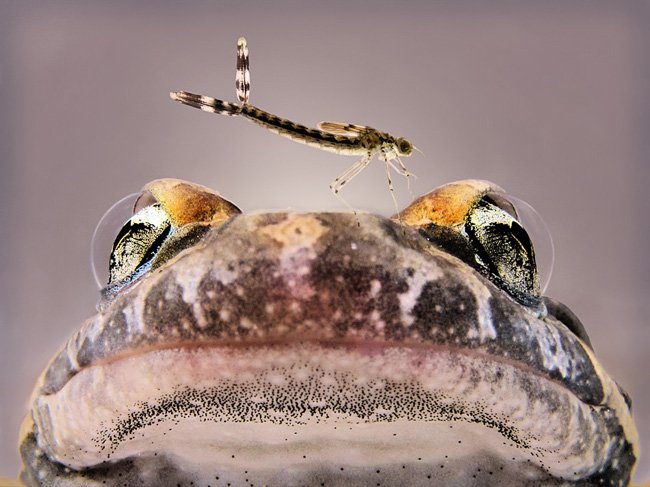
pixel 339 144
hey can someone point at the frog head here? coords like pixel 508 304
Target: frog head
pixel 327 349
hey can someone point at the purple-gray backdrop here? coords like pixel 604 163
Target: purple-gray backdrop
pixel 548 99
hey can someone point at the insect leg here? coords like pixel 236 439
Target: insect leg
pixel 350 173
pixel 243 75
pixel 400 168
pixel 346 176
pixel 387 165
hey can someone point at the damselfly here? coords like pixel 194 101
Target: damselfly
pixel 341 138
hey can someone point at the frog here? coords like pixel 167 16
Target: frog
pixel 327 349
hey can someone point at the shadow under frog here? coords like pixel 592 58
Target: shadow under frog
pixel 327 349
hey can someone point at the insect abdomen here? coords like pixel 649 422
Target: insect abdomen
pixel 300 133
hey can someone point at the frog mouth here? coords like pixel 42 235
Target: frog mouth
pixel 330 337
pixel 310 394
pixel 303 403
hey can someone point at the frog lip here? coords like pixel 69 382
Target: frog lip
pixel 354 346
pixel 360 346
pixel 251 377
pixel 425 383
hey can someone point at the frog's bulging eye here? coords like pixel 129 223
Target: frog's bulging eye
pixel 146 229
pixel 503 250
pixel 138 242
pixel 477 222
pixel 540 236
pixel 127 238
pixel 104 236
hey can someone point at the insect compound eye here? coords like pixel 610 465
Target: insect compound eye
pixel 478 223
pixel 404 146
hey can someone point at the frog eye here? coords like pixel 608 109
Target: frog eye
pixel 478 223
pixel 540 236
pixel 138 242
pixel 150 227
pixel 105 233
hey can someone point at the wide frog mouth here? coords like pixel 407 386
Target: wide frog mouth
pixel 349 347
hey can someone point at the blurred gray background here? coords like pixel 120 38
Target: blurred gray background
pixel 548 99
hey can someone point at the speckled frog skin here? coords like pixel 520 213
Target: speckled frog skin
pixel 324 349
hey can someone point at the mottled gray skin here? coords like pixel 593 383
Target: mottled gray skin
pixel 354 290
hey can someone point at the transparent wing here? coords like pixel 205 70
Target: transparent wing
pixel 346 129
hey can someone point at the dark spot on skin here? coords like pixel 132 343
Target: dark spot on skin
pixel 229 307
pixel 352 295
pixel 626 397
pixel 443 303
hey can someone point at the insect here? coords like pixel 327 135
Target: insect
pixel 337 137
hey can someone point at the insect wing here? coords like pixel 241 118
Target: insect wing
pixel 345 129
